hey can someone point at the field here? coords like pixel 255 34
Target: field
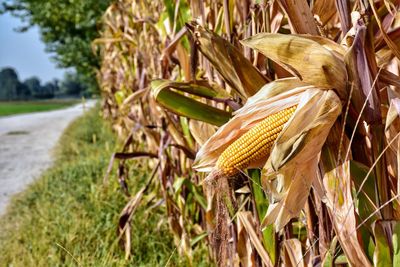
pixel 69 217
pixel 20 107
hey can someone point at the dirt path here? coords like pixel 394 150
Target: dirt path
pixel 26 144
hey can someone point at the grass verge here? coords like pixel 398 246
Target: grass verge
pixel 20 107
pixel 68 218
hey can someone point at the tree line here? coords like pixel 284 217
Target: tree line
pixel 11 88
pixel 67 28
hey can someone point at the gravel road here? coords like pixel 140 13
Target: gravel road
pixel 26 144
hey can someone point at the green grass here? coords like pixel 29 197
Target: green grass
pixel 69 218
pixel 20 107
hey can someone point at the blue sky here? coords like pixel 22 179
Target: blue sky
pixel 25 52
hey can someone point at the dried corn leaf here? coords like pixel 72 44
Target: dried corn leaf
pixel 245 218
pixel 392 128
pixel 244 248
pixel 236 70
pixel 325 9
pixel 198 88
pixel 360 75
pixel 293 253
pixel 337 184
pixel 300 16
pixel 393 113
pixel 393 47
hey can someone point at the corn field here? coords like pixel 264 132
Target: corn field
pixel 270 128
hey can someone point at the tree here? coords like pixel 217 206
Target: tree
pixel 8 84
pixel 48 90
pixel 67 28
pixel 33 84
pixel 72 84
pixel 23 91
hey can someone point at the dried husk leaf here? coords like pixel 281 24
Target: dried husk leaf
pixel 291 168
pixel 337 49
pixel 292 195
pixel 307 59
pixel 201 131
pixel 309 127
pixel 273 89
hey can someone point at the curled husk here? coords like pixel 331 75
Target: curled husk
pixel 291 168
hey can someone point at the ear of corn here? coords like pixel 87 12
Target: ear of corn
pixel 255 144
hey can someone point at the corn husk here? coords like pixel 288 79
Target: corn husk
pixel 245 118
pixel 305 58
pixel 291 168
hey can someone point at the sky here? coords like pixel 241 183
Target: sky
pixel 25 52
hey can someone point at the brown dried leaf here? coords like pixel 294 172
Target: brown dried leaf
pixel 246 217
pixel 236 70
pixel 300 16
pixel 293 253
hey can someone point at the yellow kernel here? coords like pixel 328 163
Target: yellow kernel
pixel 255 144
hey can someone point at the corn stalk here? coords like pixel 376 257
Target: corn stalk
pixel 184 80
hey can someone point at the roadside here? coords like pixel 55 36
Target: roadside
pixel 26 143
pixel 68 217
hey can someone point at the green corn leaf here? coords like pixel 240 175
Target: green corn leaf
pixel 186 106
pixel 200 88
pixel 119 97
pixel 382 257
pixel 396 244
pixel 186 131
pixel 198 238
pixel 193 190
pixel 366 204
pixel 328 260
pixel 367 241
pixel 269 236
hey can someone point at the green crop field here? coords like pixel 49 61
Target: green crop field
pixel 19 107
